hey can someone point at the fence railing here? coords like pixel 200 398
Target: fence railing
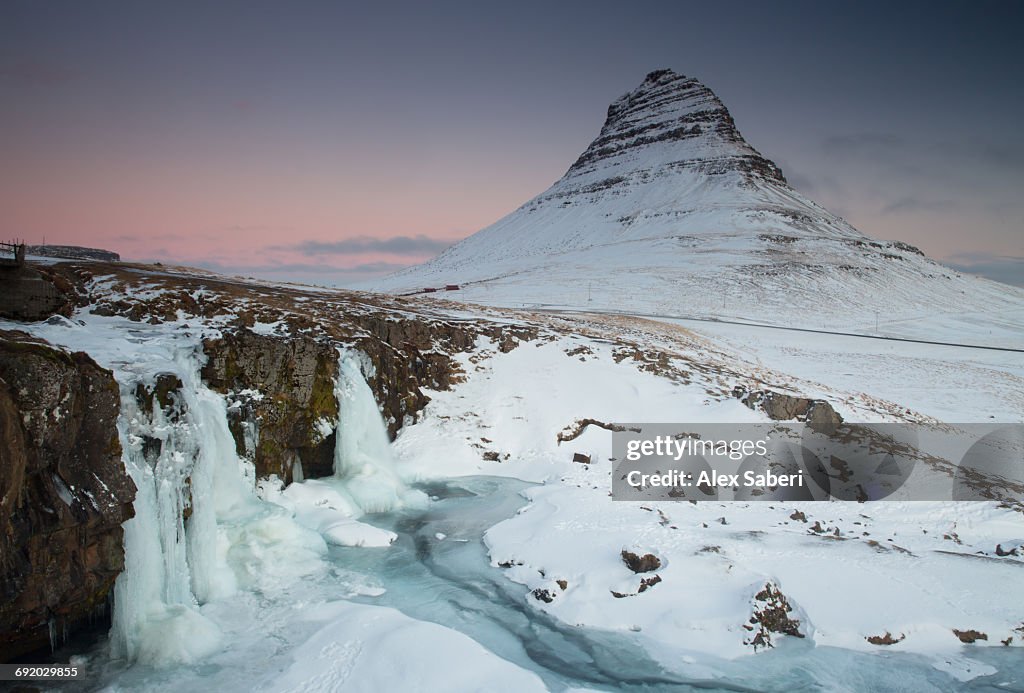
pixel 12 253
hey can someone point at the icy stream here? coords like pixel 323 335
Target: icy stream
pixel 438 571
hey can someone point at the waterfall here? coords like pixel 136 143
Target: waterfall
pixel 188 464
pixel 204 528
pixel 365 479
pixel 363 459
pixel 201 533
pixel 154 597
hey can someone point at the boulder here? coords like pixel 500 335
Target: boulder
pixel 817 413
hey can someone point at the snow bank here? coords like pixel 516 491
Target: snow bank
pixel 373 649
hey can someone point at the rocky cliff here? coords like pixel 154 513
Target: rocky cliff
pixel 63 492
pixel 282 406
pixel 275 353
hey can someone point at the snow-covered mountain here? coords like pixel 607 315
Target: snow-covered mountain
pixel 670 210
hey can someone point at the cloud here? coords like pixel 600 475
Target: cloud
pixel 914 205
pixel 335 263
pixel 299 268
pixel 255 228
pixel 36 73
pixel 1004 155
pixel 859 142
pixel 888 152
pixel 133 238
pixel 375 268
pixel 395 245
pixel 1008 269
pixel 928 158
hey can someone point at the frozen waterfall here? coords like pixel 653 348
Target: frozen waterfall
pixel 362 456
pixel 199 531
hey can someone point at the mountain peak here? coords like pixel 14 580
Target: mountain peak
pixel 656 75
pixel 674 120
pixel 670 211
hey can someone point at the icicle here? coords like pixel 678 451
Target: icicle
pixel 250 436
pixel 155 588
pixel 52 626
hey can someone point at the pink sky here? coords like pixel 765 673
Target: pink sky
pixel 191 207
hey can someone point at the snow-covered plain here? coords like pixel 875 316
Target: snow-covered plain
pixel 947 383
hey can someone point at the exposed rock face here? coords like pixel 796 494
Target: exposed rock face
pixel 885 639
pixel 670 108
pixel 410 354
pixel 64 492
pixel 670 174
pixel 640 564
pixel 33 293
pixel 282 391
pixel 970 636
pixel 279 384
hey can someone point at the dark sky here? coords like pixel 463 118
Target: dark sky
pixel 329 141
